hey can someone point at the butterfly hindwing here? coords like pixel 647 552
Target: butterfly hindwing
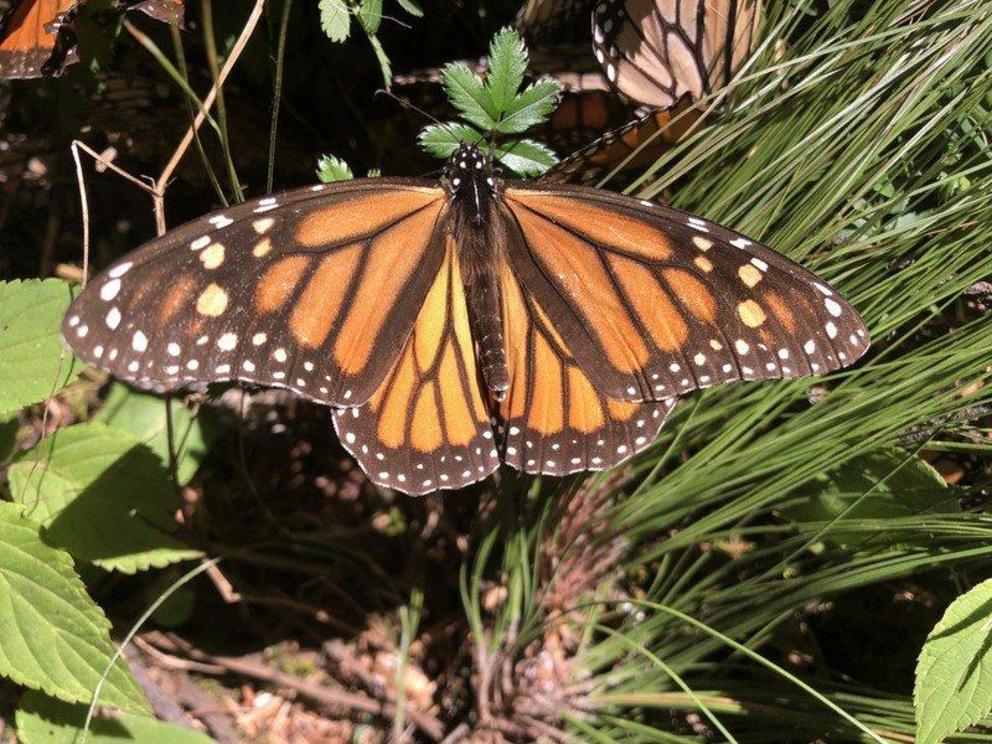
pixel 427 426
pixel 654 303
pixel 554 421
pixel 313 290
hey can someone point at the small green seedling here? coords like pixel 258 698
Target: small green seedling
pixel 497 107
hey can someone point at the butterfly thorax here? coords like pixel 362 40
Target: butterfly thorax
pixel 472 184
pixel 474 191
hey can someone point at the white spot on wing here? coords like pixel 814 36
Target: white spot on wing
pixel 227 342
pixel 120 270
pixel 109 290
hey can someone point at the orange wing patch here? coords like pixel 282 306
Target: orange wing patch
pixel 362 216
pixel 427 426
pixel 554 420
pixel 596 224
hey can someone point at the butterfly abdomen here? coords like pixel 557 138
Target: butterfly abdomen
pixel 482 291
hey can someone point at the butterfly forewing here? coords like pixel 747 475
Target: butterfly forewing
pixel 427 426
pixel 654 302
pixel 314 290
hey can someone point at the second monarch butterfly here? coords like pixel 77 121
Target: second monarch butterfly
pixel 655 51
pixel 32 40
pixel 457 324
pixel 37 39
pixel 664 55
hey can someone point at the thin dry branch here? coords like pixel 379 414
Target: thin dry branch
pixel 429 725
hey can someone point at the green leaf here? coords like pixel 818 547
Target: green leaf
pixel 894 486
pixel 954 673
pixel 335 19
pixel 143 416
pixel 507 65
pixel 526 157
pixel 441 140
pixel 467 94
pixel 531 107
pixel 101 495
pixel 33 361
pixel 412 8
pixel 43 720
pixel 55 638
pixel 370 15
pixel 380 55
pixel 331 169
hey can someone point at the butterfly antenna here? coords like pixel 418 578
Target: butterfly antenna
pixel 411 106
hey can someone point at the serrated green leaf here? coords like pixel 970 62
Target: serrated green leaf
pixel 143 416
pixel 954 673
pixel 412 8
pixel 101 495
pixel 380 55
pixel 507 65
pixel 895 487
pixel 441 140
pixel 531 107
pixel 526 157
pixel 55 638
pixel 467 94
pixel 331 169
pixel 44 720
pixel 335 19
pixel 33 361
pixel 370 15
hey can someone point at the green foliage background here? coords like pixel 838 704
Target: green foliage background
pixel 740 581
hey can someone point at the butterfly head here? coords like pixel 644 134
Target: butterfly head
pixel 471 181
pixel 469 169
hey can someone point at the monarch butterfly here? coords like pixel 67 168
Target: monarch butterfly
pixel 37 39
pixel 455 324
pixel 665 55
pixel 32 39
pixel 655 51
